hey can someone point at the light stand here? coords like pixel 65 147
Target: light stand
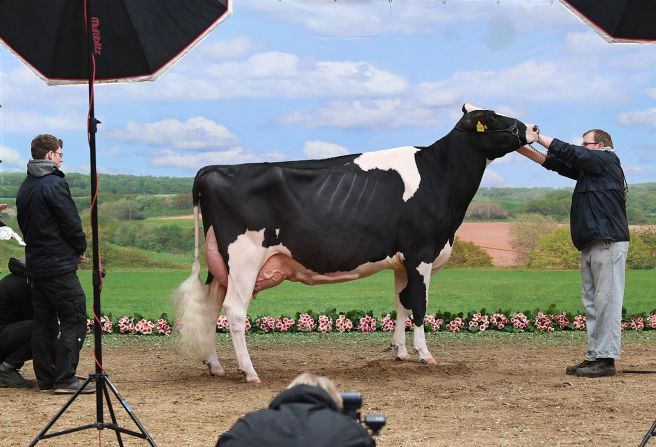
pixel 103 384
pixel 651 433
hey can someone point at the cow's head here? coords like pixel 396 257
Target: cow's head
pixel 496 134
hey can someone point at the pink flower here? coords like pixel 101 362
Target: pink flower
pixel 305 323
pixel 89 325
pixel 343 324
pixel 325 324
pixel 455 325
pixel 499 321
pixel 520 321
pixel 579 322
pixel 634 323
pixel 561 320
pixel 163 327
pixel 479 322
pixel 388 323
pixel 144 327
pixel 222 324
pixel 284 324
pixel 106 324
pixel 408 323
pixel 265 323
pixel 367 324
pixel 126 325
pixel 435 323
pixel 543 322
pixel 651 321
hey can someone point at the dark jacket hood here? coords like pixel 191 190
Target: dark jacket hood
pixel 17 266
pixel 304 394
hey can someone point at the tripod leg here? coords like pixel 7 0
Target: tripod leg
pixel 650 433
pixel 128 409
pixel 59 413
pixel 111 411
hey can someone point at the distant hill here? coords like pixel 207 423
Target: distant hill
pixel 118 184
pixel 489 204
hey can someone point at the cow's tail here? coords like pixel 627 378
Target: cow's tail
pixel 191 301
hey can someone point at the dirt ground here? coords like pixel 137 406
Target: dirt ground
pixel 491 390
pixel 493 237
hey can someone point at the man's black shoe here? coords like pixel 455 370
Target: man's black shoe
pixel 571 370
pixel 600 368
pixel 73 387
pixel 12 378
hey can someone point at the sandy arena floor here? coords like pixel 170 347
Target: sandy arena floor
pixel 491 390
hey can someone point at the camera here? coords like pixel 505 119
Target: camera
pixel 352 401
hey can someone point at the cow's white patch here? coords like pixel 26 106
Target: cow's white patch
pixel 244 254
pixel 277 232
pixel 442 257
pixel 470 108
pixel 399 159
pixel 425 269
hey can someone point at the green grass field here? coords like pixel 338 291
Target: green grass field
pixel 148 292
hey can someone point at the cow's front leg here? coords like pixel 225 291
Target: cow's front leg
pixel 415 296
pixel 398 340
pixel 216 297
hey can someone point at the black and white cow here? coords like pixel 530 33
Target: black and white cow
pixel 334 220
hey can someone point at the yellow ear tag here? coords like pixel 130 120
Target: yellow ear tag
pixel 480 127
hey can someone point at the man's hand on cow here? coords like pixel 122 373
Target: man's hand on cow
pixel 3 206
pixel 81 258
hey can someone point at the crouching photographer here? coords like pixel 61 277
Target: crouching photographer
pixel 307 413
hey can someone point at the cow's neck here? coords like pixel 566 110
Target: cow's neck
pixel 461 166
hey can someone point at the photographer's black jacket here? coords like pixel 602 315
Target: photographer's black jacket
pixel 301 416
pixel 598 209
pixel 15 295
pixel 49 220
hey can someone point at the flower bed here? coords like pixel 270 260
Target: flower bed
pixel 358 321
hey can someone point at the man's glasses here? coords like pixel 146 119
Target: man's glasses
pixel 585 143
pixel 61 154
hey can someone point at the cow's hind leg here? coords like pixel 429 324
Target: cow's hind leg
pixel 216 297
pixel 398 340
pixel 247 255
pixel 236 305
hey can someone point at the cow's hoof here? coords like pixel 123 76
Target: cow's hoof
pixel 428 361
pixel 401 355
pixel 216 371
pixel 248 379
pixel 214 368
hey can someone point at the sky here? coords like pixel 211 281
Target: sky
pixel 298 79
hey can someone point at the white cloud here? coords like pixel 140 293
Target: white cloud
pixel 382 113
pixel 226 50
pixel 652 92
pixel 322 149
pixel 638 117
pixel 11 158
pixel 195 133
pixel 491 178
pixel 22 121
pixel 270 74
pixel 369 18
pixel 195 161
pixel 634 170
pixel 545 81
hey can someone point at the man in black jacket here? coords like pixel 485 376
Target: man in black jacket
pixel 600 230
pixel 15 326
pixel 52 230
pixel 307 413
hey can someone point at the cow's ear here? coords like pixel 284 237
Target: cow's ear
pixel 475 121
pixel 464 109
